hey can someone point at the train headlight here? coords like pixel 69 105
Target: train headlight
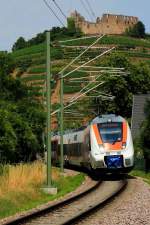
pixel 124 145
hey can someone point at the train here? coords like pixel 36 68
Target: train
pixel 105 145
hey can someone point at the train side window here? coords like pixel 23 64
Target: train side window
pixel 87 139
pixel 75 137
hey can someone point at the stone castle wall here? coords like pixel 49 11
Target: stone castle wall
pixel 108 24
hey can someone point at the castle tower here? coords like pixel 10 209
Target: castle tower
pixel 107 24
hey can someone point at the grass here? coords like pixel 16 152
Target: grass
pixel 135 54
pixel 140 173
pixel 37 51
pixel 37 70
pixel 37 83
pixel 69 89
pixel 28 56
pixel 20 187
pixel 139 170
pixel 33 77
pixel 115 40
pixel 30 50
pixel 35 88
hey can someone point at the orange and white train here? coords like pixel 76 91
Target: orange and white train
pixel 104 145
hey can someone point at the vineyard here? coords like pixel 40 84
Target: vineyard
pixel 31 64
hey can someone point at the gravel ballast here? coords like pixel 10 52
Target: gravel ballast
pixel 132 207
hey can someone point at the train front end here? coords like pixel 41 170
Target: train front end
pixel 111 144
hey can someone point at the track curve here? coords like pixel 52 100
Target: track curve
pixel 73 209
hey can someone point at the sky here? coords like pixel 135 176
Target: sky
pixel 28 17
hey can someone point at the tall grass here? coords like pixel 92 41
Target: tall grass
pixel 21 178
pixel 20 186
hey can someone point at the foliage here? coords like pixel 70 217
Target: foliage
pixel 140 173
pixel 29 50
pixel 19 44
pixel 68 89
pixel 130 42
pixel 123 87
pixel 138 30
pixel 37 70
pixel 7 63
pixel 23 64
pixel 72 30
pixel 145 135
pixel 33 77
pixel 57 33
pixel 138 54
pixel 21 118
pixel 71 24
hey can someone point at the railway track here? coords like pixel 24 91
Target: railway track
pixel 73 209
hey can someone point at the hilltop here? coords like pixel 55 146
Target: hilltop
pixel 31 67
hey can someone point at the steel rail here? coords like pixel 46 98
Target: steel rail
pixel 31 215
pixel 97 205
pixel 82 213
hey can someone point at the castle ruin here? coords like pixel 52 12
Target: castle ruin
pixel 107 24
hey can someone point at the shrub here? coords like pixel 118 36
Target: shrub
pixel 138 30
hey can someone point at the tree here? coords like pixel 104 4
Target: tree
pixel 19 44
pixel 72 29
pixel 22 119
pixel 138 30
pixel 123 87
pixel 71 25
pixel 7 63
pixel 145 137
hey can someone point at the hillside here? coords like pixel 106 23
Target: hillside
pixel 31 67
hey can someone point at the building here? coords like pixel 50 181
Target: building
pixel 107 24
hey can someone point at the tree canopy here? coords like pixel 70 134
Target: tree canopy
pixel 138 30
pixel 56 34
pixel 22 119
pixel 145 135
pixel 123 87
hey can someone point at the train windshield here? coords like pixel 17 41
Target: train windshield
pixel 110 132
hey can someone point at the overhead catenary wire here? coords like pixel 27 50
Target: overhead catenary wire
pixel 81 38
pixel 84 88
pixel 87 91
pixel 77 98
pixel 86 9
pixel 82 94
pixel 74 60
pixel 67 74
pixel 103 67
pixel 59 8
pixel 91 9
pixel 53 12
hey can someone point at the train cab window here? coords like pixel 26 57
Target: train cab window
pixel 75 137
pixel 110 132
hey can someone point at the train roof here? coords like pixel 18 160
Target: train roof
pixel 108 118
pixel 99 119
pixel 70 131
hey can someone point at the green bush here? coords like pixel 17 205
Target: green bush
pixel 37 70
pixel 138 30
pixel 71 89
pixel 21 118
pixel 33 77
